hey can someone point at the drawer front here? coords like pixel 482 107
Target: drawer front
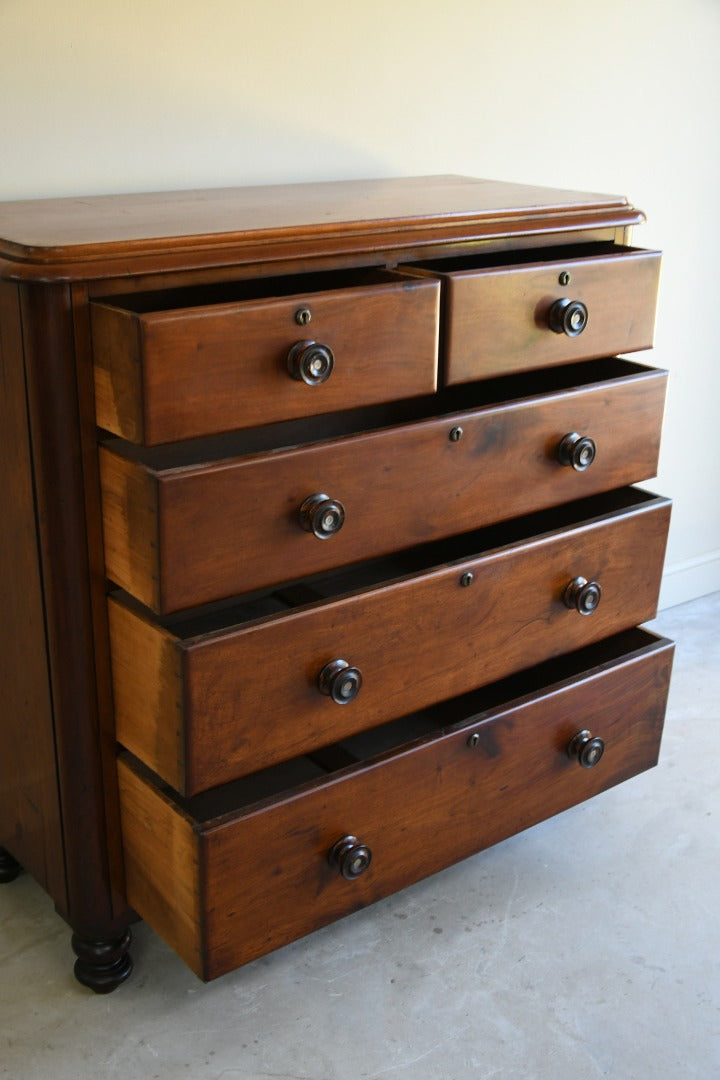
pixel 202 887
pixel 498 319
pixel 183 537
pixel 162 376
pixel 203 711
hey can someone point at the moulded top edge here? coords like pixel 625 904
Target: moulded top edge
pixel 60 230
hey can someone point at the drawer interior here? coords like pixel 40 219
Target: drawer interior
pixel 314 429
pixel 239 611
pixel 360 750
pixel 183 298
pixel 556 254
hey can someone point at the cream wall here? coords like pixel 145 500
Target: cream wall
pixel 603 95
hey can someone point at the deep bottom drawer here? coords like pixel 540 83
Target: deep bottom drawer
pixel 236 872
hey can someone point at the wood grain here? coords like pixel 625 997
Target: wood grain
pixel 57 425
pixel 496 319
pixel 419 809
pixel 117 351
pixel 30 816
pixel 162 866
pixel 228 528
pixel 176 374
pixel 206 701
pixel 147 678
pixel 98 600
pixel 251 696
pixel 130 527
pixel 67 229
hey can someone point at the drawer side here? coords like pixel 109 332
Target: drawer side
pixel 130 527
pixel 147 683
pixel 162 866
pixel 117 351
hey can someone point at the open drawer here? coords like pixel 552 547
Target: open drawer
pixel 192 361
pixel 237 872
pixel 205 698
pixel 544 307
pixel 192 523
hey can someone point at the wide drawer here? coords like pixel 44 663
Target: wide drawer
pixel 187 362
pixel 210 698
pixel 181 531
pixel 192 866
pixel 498 316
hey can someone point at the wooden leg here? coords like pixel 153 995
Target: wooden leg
pixel 102 965
pixel 9 867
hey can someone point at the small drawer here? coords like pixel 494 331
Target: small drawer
pixel 188 362
pixel 205 699
pixel 552 308
pixel 345 830
pixel 181 532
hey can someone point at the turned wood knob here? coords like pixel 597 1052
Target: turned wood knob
pixel 586 749
pixel 310 362
pixel 568 317
pixel 350 857
pixel 322 516
pixel 577 451
pixel 582 595
pixel 340 681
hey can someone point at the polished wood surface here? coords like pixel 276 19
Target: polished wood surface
pixel 30 814
pixel 130 520
pixel 87 227
pixel 171 374
pixel 405 806
pixel 163 866
pixel 497 319
pixel 250 694
pixel 64 529
pixel 126 237
pixel 167 319
pixel 147 670
pixel 178 536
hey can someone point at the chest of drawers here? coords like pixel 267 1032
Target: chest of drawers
pixel 322 562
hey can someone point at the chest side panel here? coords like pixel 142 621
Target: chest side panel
pixel 29 806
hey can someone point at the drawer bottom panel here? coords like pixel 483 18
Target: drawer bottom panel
pixel 225 883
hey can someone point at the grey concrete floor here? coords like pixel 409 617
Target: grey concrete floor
pixel 587 947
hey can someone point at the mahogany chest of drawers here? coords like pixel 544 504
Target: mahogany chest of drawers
pixel 322 564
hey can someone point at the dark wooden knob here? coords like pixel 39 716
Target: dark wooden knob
pixel 350 857
pixel 322 516
pixel 577 451
pixel 310 362
pixel 582 595
pixel 340 681
pixel 568 317
pixel 586 749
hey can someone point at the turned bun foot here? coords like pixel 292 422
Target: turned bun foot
pixel 102 965
pixel 9 867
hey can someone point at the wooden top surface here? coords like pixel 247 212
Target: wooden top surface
pixel 73 230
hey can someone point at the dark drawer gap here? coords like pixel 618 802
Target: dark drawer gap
pixel 456 399
pixel 238 611
pixel 361 750
pixel 521 258
pixel 230 292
